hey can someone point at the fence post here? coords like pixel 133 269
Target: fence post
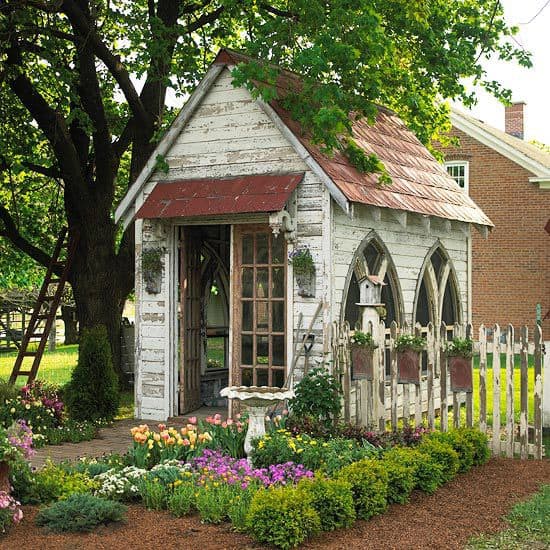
pixel 443 408
pixel 524 372
pixel 381 390
pixel 510 392
pixel 430 336
pixel 482 379
pixel 393 370
pixel 539 395
pixel 418 387
pixel 496 390
pixel 470 394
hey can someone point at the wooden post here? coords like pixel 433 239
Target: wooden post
pixel 418 387
pixel 406 393
pixel 444 408
pixel 523 419
pixel 510 392
pixel 482 379
pixel 538 391
pixel 496 390
pixel 430 336
pixel 393 370
pixel 470 394
pixel 343 363
pixel 381 402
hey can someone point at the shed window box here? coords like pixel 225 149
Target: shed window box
pixel 362 363
pixel 459 353
pixel 409 352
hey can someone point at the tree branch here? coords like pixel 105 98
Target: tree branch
pixel 205 19
pixel 277 11
pixel 113 63
pixel 11 233
pixel 48 171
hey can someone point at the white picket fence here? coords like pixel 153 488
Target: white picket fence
pixel 383 402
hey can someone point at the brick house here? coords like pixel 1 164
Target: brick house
pixel 510 180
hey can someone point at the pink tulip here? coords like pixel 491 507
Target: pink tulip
pixel 192 420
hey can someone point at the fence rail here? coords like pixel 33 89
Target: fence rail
pixel 384 400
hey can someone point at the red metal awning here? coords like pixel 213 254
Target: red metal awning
pixel 211 197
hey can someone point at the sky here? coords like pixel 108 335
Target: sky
pixel 529 85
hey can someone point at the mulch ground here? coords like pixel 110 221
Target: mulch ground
pixel 472 504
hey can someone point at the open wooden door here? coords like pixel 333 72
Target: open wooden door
pixel 259 316
pixel 190 328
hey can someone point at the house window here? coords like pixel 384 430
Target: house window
pixel 459 171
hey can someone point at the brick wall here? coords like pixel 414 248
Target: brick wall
pixel 511 269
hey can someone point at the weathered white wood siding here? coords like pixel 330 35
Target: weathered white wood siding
pixel 408 248
pixel 228 135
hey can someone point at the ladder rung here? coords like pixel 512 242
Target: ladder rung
pixel 54 281
pixel 30 354
pixel 42 316
pixel 37 334
pixel 23 373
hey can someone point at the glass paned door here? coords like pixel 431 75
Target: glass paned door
pixel 259 342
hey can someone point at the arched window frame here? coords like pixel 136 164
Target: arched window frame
pixel 435 289
pixel 359 267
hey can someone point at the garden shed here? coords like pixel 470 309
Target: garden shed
pixel 234 190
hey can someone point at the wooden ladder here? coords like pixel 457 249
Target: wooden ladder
pixel 45 308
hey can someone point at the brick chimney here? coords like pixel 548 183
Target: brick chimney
pixel 513 119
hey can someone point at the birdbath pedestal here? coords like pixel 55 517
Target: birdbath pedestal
pixel 258 399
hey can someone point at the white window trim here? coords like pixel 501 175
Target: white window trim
pixel 466 165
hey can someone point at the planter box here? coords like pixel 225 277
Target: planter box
pixel 362 363
pixel 306 284
pixel 408 367
pixel 460 369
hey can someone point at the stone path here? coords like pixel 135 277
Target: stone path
pixel 115 438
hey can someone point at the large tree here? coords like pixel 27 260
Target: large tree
pixel 83 89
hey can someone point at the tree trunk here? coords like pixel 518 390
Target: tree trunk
pixel 68 315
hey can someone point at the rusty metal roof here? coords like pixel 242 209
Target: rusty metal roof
pixel 214 196
pixel 420 183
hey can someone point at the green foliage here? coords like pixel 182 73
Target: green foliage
pixel 238 507
pixel 182 500
pixel 7 391
pixel 480 442
pixel 318 395
pixel 362 339
pixel 92 393
pixel 301 261
pixel 460 347
pixel 282 516
pixel 212 502
pixel 405 342
pixel 54 482
pixel 152 260
pixel 332 499
pixel 443 454
pixel 71 431
pixel 369 483
pixel 400 480
pixel 153 494
pixel 80 513
pixel 428 474
pixel 463 447
pixel 369 164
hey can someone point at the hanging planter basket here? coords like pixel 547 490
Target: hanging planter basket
pixel 460 369
pixel 306 284
pixel 408 366
pixel 152 266
pixel 362 363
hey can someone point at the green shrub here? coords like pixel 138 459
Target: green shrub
pixel 92 393
pixel 443 454
pixel 80 512
pixel 369 484
pixel 181 501
pixel 464 448
pixel 153 494
pixel 480 441
pixel 7 391
pixel 332 499
pixel 282 516
pixel 213 503
pixel 239 505
pixel 428 474
pixel 54 482
pixel 317 395
pixel 400 480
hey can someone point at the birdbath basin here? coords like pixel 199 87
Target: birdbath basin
pixel 257 399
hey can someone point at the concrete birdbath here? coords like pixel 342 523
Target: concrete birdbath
pixel 258 399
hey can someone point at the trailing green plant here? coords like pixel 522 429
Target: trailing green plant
pixel 318 395
pixel 332 499
pixel 406 342
pixel 460 347
pixel 302 261
pixel 400 480
pixel 152 261
pixel 282 516
pixel 428 473
pixel 182 500
pixel 443 454
pixel 92 393
pixel 363 340
pixel 80 513
pixel 369 483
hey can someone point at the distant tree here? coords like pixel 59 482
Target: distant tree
pixel 83 87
